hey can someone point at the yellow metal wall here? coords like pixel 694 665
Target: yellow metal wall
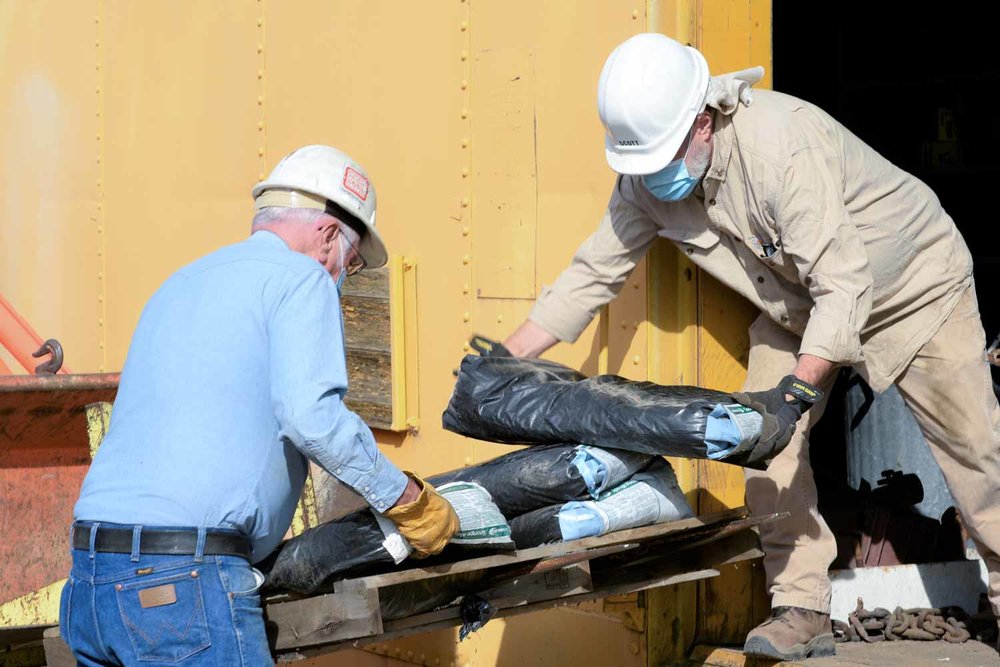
pixel 133 131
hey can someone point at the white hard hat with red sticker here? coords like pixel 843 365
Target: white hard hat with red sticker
pixel 314 175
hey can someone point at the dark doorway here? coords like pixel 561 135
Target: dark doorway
pixel 916 82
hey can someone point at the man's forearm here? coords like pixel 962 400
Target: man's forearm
pixel 812 369
pixel 529 341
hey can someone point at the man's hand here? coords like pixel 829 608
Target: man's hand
pixel 780 409
pixel 423 517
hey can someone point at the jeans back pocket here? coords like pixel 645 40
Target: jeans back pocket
pixel 165 618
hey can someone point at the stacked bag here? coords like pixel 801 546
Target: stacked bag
pixel 532 496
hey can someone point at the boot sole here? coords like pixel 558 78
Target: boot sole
pixel 818 647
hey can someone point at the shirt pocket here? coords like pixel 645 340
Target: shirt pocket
pixel 165 618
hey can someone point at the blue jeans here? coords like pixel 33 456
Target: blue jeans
pixel 139 609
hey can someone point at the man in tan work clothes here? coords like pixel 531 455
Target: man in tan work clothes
pixel 851 261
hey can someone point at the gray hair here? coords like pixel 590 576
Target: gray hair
pixel 275 214
pixel 305 216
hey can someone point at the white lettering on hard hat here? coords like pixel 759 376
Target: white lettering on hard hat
pixel 356 183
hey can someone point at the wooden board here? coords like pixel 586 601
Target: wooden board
pixel 614 564
pixel 367 338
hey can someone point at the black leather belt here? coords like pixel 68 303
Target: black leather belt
pixel 163 542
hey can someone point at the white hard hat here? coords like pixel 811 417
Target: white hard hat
pixel 325 178
pixel 650 91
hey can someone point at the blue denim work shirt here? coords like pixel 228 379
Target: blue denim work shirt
pixel 236 375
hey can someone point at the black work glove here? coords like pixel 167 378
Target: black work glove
pixel 488 348
pixel 779 413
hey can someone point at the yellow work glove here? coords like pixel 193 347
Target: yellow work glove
pixel 428 522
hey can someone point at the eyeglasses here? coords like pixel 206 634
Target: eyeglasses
pixel 358 264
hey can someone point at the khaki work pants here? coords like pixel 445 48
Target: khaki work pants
pixel 948 388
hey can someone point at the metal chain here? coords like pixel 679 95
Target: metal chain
pixel 947 623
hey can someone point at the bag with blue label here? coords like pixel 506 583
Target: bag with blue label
pixel 649 497
pixel 533 401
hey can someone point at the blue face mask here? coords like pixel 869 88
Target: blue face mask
pixel 340 280
pixel 672 183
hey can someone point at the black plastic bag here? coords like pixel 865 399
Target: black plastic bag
pixel 311 561
pixel 511 400
pixel 650 496
pixel 534 477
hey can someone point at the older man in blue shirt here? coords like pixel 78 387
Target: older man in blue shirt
pixel 235 377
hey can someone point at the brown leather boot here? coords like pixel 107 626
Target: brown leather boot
pixel 792 633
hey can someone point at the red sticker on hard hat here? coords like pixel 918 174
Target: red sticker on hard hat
pixel 356 183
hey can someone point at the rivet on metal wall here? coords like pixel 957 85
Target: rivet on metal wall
pixel 260 100
pixel 465 231
pixel 260 126
pixel 466 317
pixel 98 90
pixel 465 56
pixel 260 176
pixel 464 114
pixel 465 172
pixel 464 84
pixel 465 347
pixel 260 74
pixel 624 324
pixel 468 462
pixel 260 22
pixel 465 202
pixel 466 289
pixel 260 48
pixel 635 360
pixel 465 25
pixel 635 13
pixel 499 319
pixel 260 151
pixel 465 143
pixel 466 259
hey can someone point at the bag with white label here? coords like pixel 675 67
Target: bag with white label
pixel 366 542
pixel 651 496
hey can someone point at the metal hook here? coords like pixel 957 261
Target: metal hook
pixel 54 363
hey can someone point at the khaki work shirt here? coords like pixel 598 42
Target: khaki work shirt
pixel 865 267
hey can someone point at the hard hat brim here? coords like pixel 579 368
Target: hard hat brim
pixel 373 249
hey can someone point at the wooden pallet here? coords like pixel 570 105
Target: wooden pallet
pixel 367 610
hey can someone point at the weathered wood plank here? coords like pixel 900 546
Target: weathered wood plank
pixel 350 612
pixel 57 653
pixel 366 323
pixel 369 283
pixel 560 548
pixel 369 392
pixel 367 337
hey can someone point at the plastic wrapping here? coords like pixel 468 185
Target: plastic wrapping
pixel 365 542
pixel 311 561
pixel 510 400
pixel 527 479
pixel 651 496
